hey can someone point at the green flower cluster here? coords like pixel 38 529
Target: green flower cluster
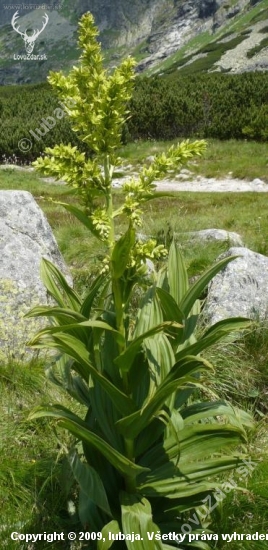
pixel 96 103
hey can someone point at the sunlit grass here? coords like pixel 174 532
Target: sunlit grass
pixel 33 495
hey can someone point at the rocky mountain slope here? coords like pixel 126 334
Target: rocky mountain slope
pixel 170 35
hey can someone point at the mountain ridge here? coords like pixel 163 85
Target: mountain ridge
pixel 158 35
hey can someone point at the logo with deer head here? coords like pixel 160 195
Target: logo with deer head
pixel 29 41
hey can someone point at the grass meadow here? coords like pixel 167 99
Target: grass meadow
pixel 37 493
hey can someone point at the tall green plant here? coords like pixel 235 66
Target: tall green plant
pixel 153 449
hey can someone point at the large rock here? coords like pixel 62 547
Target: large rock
pixel 25 237
pixel 212 235
pixel 240 289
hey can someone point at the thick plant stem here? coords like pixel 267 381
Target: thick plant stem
pixel 119 310
pixel 130 481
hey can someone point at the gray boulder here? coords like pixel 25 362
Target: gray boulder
pixel 25 237
pixel 240 289
pixel 210 235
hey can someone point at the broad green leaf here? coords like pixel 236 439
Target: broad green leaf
pixel 187 301
pixel 193 443
pixel 149 437
pixel 90 482
pixel 62 315
pixel 150 314
pixel 190 324
pixel 214 334
pixel 125 360
pixel 111 527
pixel 58 287
pixel 170 308
pixel 137 519
pixel 160 357
pixel 172 312
pixel 200 411
pixel 71 422
pixel 177 275
pixel 106 415
pixel 225 326
pixel 179 376
pixel 121 253
pixel 187 483
pixel 89 513
pixel 94 289
pixel 95 323
pixel 162 280
pixel 69 345
pixel 82 217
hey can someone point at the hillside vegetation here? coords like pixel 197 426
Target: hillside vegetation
pixel 207 106
pixel 190 36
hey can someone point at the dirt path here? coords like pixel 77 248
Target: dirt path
pixel 194 184
pixel 207 185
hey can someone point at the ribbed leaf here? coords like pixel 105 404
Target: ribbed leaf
pixel 112 527
pixel 148 437
pixel 121 252
pixel 161 279
pixel 214 334
pixel 187 301
pixel 150 314
pixel 190 324
pixel 194 443
pixel 160 357
pixel 89 482
pixel 71 422
pixel 125 360
pixel 82 217
pixel 177 275
pixel 170 308
pixel 95 323
pixel 137 519
pixel 57 286
pixel 106 415
pixel 227 325
pixel 188 481
pixel 200 411
pixel 172 312
pixel 94 289
pixel 68 344
pixel 63 315
pixel 89 513
pixel 179 376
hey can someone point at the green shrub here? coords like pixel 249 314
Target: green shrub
pixel 211 105
pixel 198 105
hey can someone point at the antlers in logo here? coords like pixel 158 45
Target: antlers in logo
pixel 28 40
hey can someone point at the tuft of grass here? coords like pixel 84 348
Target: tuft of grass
pixel 245 510
pixel 242 379
pixel 34 491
